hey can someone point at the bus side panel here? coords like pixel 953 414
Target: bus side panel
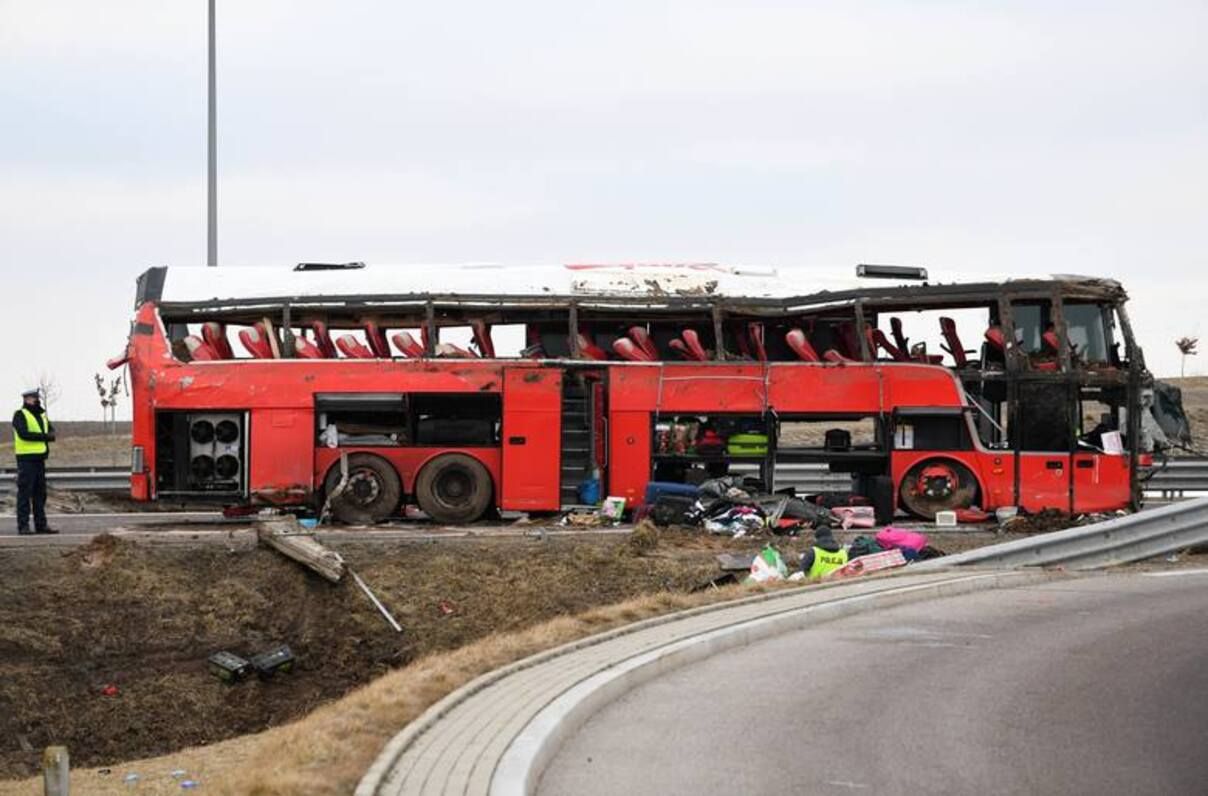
pixel 629 456
pixel 532 431
pixel 281 455
pixel 1100 482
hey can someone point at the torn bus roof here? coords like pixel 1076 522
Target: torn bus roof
pixel 603 287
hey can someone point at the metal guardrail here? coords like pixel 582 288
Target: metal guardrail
pixel 75 479
pixel 1135 537
pixel 1179 476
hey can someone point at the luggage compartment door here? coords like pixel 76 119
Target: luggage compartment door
pixel 532 422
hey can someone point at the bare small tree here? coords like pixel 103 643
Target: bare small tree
pixel 48 385
pixel 1186 347
pixel 108 395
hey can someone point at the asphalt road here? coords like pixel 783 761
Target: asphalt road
pixel 1095 686
pixel 92 524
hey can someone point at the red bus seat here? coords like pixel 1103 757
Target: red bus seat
pixel 353 348
pixel 627 349
pixel 588 349
pixel 899 339
pixel 453 351
pixel 305 349
pixel 256 342
pixel 406 344
pixel 377 340
pixel 692 340
pixel 1051 342
pixel 997 340
pixel 640 336
pixel 878 339
pixel 482 339
pixel 323 340
pixel 832 355
pixel 200 350
pixel 214 335
pixel 958 351
pixel 801 345
pixel 755 332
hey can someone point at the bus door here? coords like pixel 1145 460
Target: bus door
pixel 532 413
pixel 1041 434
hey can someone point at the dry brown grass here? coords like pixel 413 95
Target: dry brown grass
pixel 329 750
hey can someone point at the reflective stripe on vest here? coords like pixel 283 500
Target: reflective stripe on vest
pixel 825 562
pixel 27 447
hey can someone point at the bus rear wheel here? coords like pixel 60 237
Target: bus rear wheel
pixel 372 493
pixel 935 485
pixel 454 488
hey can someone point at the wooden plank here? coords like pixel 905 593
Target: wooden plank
pixel 287 537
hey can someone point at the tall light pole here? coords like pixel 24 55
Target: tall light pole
pixel 212 165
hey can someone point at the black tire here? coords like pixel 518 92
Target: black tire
pixel 454 488
pixel 372 494
pixel 954 489
pixel 880 492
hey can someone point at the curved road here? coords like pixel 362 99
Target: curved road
pixel 1096 686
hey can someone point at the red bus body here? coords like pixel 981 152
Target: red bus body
pixel 285 465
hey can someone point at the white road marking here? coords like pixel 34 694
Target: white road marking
pixel 839 783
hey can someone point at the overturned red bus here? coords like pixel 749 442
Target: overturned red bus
pixel 394 385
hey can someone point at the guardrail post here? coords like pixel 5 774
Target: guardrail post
pixel 56 771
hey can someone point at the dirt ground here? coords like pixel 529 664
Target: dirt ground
pixel 79 447
pixel 145 618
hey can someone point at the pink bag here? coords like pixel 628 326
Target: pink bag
pixel 897 538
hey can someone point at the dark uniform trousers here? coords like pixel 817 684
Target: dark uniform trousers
pixel 31 491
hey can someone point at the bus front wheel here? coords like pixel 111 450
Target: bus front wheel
pixel 935 485
pixel 454 488
pixel 372 493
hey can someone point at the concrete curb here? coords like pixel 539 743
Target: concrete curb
pixel 497 733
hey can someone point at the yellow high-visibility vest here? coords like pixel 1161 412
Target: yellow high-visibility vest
pixel 24 447
pixel 825 561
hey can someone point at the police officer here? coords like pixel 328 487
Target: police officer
pixel 824 557
pixel 32 435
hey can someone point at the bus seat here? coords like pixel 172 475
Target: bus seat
pixel 692 340
pixel 377 340
pixel 256 342
pixel 627 349
pixel 832 355
pixel 755 332
pixel 453 351
pixel 996 339
pixel 482 339
pixel 406 344
pixel 200 350
pixel 1051 341
pixel 305 349
pixel 353 348
pixel 960 354
pixel 899 339
pixel 588 349
pixel 677 345
pixel 878 339
pixel 323 339
pixel 801 345
pixel 1045 365
pixel 214 335
pixel 641 337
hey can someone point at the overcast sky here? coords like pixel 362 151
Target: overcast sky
pixel 1029 137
